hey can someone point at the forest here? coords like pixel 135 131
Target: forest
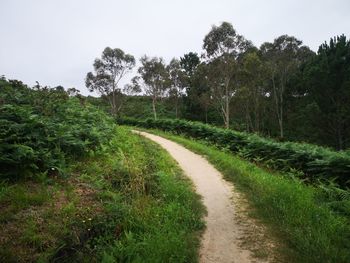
pixel 281 90
pixel 77 184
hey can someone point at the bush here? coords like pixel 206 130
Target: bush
pixel 42 129
pixel 315 162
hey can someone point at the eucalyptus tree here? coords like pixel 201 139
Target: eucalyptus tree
pixel 223 48
pixel 177 83
pixel 113 65
pixel 153 79
pixel 282 59
pixel 252 92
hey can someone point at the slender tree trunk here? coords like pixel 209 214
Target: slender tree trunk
pixel 281 128
pixel 278 96
pixel 256 112
pixel 154 108
pixel 110 100
pixel 227 102
pixel 176 108
pixel 281 110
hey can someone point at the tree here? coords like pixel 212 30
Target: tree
pixel 198 98
pixel 133 87
pixel 155 79
pixel 282 59
pixel 189 63
pixel 73 92
pixel 113 65
pixel 205 102
pixel 251 92
pixel 327 81
pixel 177 82
pixel 223 48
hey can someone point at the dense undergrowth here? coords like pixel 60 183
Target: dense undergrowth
pixel 42 129
pixel 313 222
pixel 314 163
pixel 75 187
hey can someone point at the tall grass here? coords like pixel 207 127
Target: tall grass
pixel 312 221
pixel 152 213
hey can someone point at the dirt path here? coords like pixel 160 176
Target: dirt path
pixel 222 238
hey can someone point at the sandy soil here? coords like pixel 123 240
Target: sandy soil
pixel 224 233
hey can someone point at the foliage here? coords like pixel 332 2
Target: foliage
pixel 224 47
pixel 113 65
pixel 189 62
pixel 316 163
pixel 282 89
pixel 282 59
pixel 123 198
pixel 311 222
pixel 177 81
pixel 326 80
pixel 154 79
pixel 41 129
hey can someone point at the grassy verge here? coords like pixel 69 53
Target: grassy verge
pixel 126 203
pixel 313 222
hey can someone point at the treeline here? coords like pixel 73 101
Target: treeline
pixel 282 89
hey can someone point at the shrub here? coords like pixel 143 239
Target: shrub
pixel 42 129
pixel 315 162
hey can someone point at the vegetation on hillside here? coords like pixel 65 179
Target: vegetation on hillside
pixel 42 129
pixel 314 163
pixel 74 187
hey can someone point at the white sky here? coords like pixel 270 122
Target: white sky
pixel 56 41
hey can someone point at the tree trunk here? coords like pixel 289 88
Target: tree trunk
pixel 110 100
pixel 278 96
pixel 281 128
pixel 154 108
pixel 113 102
pixel 176 108
pixel 227 102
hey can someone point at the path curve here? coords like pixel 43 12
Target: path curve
pixel 220 242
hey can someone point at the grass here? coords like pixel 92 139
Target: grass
pixel 157 217
pixel 312 222
pixel 128 202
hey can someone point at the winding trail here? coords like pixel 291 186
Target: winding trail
pixel 220 242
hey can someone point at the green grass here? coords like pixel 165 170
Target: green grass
pixel 127 202
pixel 20 196
pixel 312 224
pixel 157 216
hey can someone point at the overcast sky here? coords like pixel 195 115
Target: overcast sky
pixel 56 41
